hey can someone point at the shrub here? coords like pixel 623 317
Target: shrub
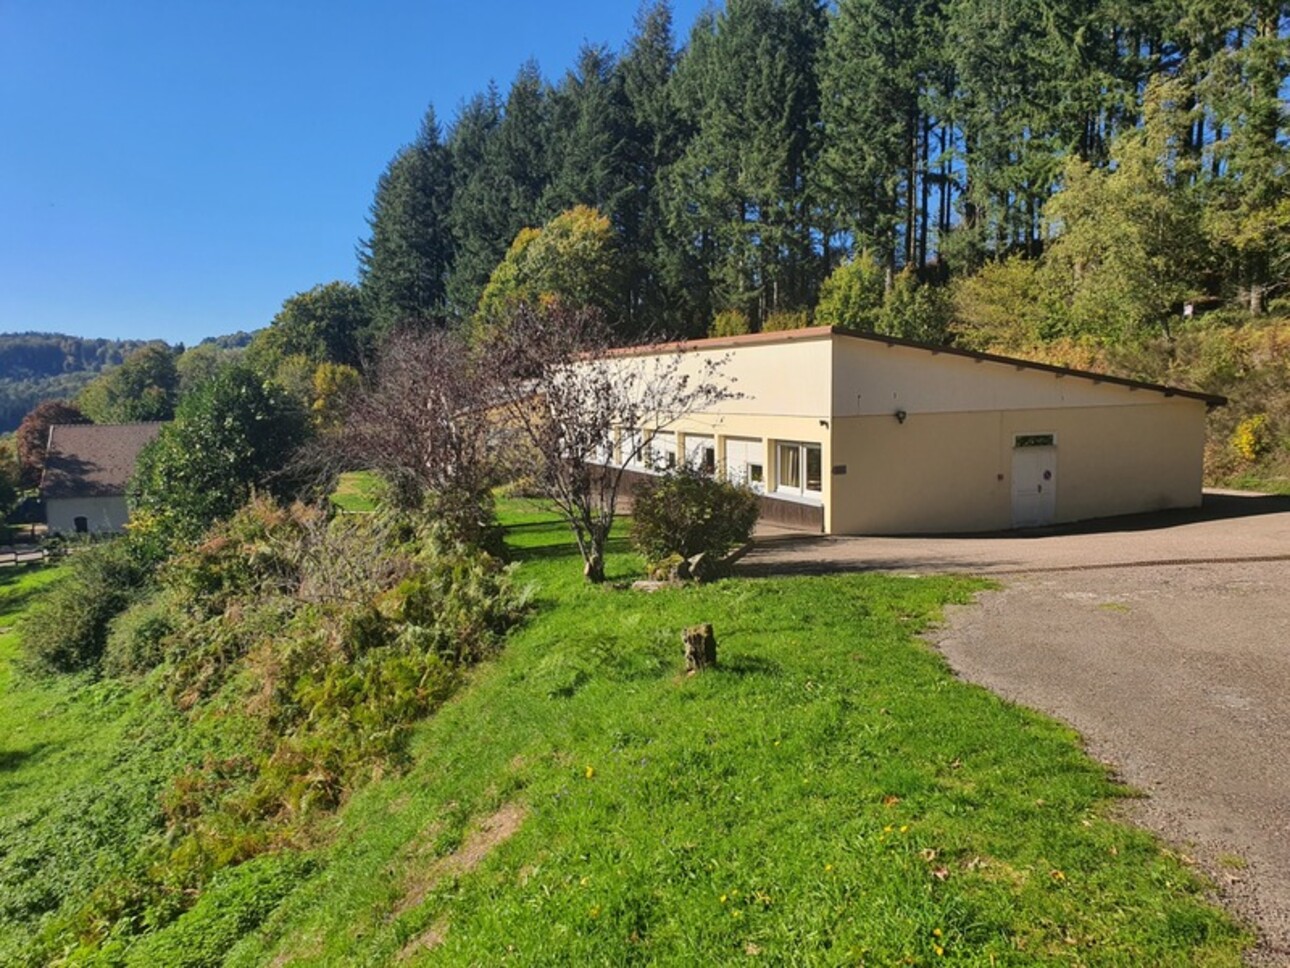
pixel 136 638
pixel 67 631
pixel 781 321
pixel 687 512
pixel 852 294
pixel 1252 438
pixel 730 322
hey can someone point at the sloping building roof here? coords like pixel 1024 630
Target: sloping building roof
pixel 92 460
pixel 817 332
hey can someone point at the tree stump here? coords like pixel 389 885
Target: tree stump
pixel 700 647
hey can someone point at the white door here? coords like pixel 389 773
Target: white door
pixel 1034 486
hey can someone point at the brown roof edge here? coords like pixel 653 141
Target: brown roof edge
pixel 816 332
pixel 727 342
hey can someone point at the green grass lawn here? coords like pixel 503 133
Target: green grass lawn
pixel 78 778
pixel 829 795
pixel 356 492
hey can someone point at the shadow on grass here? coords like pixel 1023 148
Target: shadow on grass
pixel 749 665
pixel 562 549
pixel 13 597
pixel 13 759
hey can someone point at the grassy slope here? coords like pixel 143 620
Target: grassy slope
pixel 73 796
pixel 831 795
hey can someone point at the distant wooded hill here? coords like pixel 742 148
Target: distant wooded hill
pixel 49 366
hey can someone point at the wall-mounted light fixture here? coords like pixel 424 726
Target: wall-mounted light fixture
pixel 824 423
pixel 900 416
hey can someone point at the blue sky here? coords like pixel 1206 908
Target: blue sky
pixel 174 169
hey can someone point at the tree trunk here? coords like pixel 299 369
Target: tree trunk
pixel 700 647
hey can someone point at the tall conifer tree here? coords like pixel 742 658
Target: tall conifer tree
pixel 404 264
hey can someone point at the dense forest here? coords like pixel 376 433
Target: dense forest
pixel 785 137
pixel 45 366
pixel 35 367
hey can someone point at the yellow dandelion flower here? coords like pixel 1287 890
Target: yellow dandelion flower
pixel 828 867
pixel 595 911
pixel 724 899
pixel 887 829
pixel 939 951
pixel 936 932
pixel 591 771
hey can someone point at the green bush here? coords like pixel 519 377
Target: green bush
pixel 136 638
pixel 686 512
pixel 730 322
pixel 782 321
pixel 68 630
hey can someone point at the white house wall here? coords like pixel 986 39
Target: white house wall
pixel 103 515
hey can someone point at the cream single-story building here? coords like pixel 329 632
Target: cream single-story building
pixel 858 433
pixel 86 470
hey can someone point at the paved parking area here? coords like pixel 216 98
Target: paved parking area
pixel 1164 639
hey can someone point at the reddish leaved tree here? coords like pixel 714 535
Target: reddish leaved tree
pixel 33 436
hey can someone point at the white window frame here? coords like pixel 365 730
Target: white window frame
pixel 803 449
pixel 662 451
pixel 697 446
pixel 753 452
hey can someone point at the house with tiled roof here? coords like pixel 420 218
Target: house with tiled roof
pixel 86 470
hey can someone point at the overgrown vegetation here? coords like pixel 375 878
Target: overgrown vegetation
pixel 289 654
pixel 830 791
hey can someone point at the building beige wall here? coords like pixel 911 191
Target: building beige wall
pixel 948 467
pixel 952 472
pixel 871 378
pixel 785 379
pixel 103 514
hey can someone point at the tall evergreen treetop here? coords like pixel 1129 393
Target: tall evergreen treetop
pixel 404 264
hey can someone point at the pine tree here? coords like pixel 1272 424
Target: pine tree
pixel 502 192
pixel 404 264
pixel 664 277
pixel 739 190
pixel 475 245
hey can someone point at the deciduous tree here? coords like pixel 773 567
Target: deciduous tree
pixel 564 395
pixel 144 387
pixel 234 433
pixel 32 436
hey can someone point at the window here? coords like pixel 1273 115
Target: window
pixel 746 461
pixel 81 524
pixel 1033 440
pixel 629 447
pixel 800 468
pixel 701 453
pixel 663 452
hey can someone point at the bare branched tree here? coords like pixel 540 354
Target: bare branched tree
pixel 565 395
pixel 423 425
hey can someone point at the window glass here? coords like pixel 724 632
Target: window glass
pixel 813 475
pixel 755 474
pixel 1032 440
pixel 790 465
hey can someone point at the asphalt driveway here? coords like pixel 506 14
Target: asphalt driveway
pixel 1164 639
